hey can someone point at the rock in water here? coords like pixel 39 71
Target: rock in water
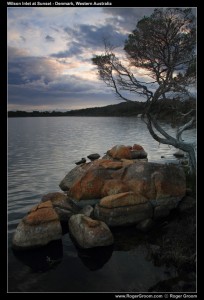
pixel 179 154
pixel 93 156
pixel 82 161
pixel 127 190
pixel 89 233
pixel 38 228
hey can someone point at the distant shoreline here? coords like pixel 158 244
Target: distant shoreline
pixel 167 109
pixel 118 110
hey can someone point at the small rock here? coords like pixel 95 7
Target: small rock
pixel 137 147
pixel 93 156
pixel 179 154
pixel 138 154
pixel 82 161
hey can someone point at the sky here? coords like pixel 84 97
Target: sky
pixel 50 51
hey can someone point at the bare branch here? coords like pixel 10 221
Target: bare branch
pixel 184 127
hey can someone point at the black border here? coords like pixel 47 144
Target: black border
pixel 3 118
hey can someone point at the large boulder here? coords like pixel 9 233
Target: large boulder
pixel 122 199
pixel 63 206
pixel 123 209
pixel 108 164
pixel 127 152
pixel 89 233
pixel 72 176
pixel 90 185
pixel 79 171
pixel 127 190
pixel 114 186
pixel 153 180
pixel 38 228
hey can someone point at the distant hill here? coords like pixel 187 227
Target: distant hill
pixel 114 110
pixel 117 110
pixel 167 109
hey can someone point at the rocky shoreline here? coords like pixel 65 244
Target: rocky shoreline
pixel 120 189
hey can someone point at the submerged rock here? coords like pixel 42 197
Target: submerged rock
pixel 38 228
pixel 89 233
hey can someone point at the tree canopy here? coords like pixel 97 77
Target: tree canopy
pixel 162 48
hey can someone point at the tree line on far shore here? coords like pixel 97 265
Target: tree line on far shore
pixel 126 109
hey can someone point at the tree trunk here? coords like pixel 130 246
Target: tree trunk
pixel 169 140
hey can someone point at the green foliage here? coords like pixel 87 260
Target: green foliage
pixel 163 42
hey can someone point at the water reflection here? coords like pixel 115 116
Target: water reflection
pixel 42 259
pixel 94 258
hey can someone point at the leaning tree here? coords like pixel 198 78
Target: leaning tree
pixel 163 49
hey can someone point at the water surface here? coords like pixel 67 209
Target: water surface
pixel 40 153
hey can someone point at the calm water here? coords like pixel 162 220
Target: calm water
pixel 40 153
